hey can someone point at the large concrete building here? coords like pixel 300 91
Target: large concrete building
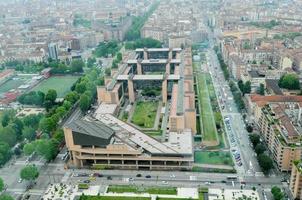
pixel 103 139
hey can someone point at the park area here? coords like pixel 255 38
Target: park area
pixel 145 113
pixel 61 84
pixel 213 157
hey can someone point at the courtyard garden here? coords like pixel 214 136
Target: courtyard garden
pixel 145 113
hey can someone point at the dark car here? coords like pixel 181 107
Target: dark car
pixel 97 175
pixel 148 176
pixel 138 175
pixel 109 178
pixel 86 181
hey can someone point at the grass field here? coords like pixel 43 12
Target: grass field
pixel 145 113
pixel 61 84
pixel 150 190
pixel 207 117
pixel 215 158
pixel 13 83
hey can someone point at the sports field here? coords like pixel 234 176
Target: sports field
pixel 208 122
pixel 144 113
pixel 61 84
pixel 13 83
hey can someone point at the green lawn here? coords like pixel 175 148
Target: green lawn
pixel 150 190
pixel 112 198
pixel 207 117
pixel 213 157
pixel 13 83
pixel 145 113
pixel 61 84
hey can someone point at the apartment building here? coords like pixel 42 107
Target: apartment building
pixel 279 121
pixel 295 184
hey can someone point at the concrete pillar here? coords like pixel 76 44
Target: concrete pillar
pixel 145 54
pixel 81 161
pixel 139 68
pixel 168 67
pixel 131 91
pixel 170 53
pixel 164 91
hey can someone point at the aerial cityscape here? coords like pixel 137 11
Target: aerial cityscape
pixel 151 99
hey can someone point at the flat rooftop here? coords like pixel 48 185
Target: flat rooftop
pixel 157 49
pixel 148 77
pixel 154 61
pixel 178 143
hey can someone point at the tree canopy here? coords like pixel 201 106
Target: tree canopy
pixel 29 173
pixel 290 82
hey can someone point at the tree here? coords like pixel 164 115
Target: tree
pixel 32 98
pixel 290 82
pixel 119 56
pixel 6 197
pixel 259 149
pixel 247 87
pixel 241 85
pixel 84 103
pixel 51 95
pixel 29 173
pixel 265 163
pixel 249 128
pixel 277 193
pixel 8 135
pixel 32 120
pixel 261 89
pixel 72 97
pixel 47 124
pixel 80 87
pixel 77 65
pixel 5 152
pixel 1 184
pixel 47 148
pixel 29 148
pixel 29 133
pixel 5 120
pixel 91 62
pixel 108 71
pixel 18 125
pixel 255 139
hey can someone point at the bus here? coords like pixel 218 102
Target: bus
pixel 232 178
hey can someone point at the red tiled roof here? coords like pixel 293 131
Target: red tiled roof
pixel 262 100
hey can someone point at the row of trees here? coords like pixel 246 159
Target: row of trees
pixel 142 43
pixel 134 31
pixel 264 160
pixel 222 64
pixel 58 67
pixel 237 95
pixel 39 98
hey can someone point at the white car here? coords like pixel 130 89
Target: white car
pixel 172 176
pixel 20 180
pixel 165 182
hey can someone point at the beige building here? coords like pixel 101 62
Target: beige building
pixel 296 180
pixel 278 118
